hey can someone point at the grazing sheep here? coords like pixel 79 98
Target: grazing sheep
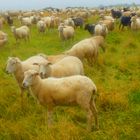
pixel 72 90
pixel 67 66
pixel 9 20
pixel 135 23
pixel 116 13
pixel 101 29
pixel 125 21
pixel 66 32
pixel 3 38
pixel 27 21
pixel 78 22
pixel 21 32
pixel 90 28
pixel 69 22
pixel 106 17
pixel 109 24
pixel 87 49
pixel 41 26
pixel 17 67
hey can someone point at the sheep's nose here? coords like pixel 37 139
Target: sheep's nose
pixel 41 74
pixel 6 71
pixel 23 85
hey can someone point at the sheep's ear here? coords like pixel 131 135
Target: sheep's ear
pixel 49 63
pixel 17 60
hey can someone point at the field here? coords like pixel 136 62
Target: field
pixel 117 76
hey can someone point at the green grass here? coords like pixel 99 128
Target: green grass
pixel 117 76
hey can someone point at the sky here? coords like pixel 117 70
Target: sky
pixel 39 4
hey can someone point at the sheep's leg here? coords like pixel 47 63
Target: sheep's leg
pixel 95 113
pixel 49 115
pixel 21 95
pixel 89 120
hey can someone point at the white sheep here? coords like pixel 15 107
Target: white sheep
pixel 21 32
pixel 67 66
pixel 135 23
pixel 109 24
pixel 3 38
pixel 101 29
pixel 87 49
pixel 72 90
pixel 41 25
pixel 26 21
pixel 17 67
pixel 69 22
pixel 66 32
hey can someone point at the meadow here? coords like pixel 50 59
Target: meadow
pixel 116 75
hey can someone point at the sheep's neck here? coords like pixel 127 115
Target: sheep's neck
pixel 48 71
pixel 35 87
pixel 19 73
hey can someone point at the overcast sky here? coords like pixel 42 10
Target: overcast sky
pixel 38 4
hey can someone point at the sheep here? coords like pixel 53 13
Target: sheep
pixel 21 32
pixel 66 32
pixel 106 17
pixel 72 90
pixel 3 38
pixel 55 58
pixel 69 22
pixel 1 24
pixel 17 67
pixel 41 26
pixel 90 28
pixel 125 21
pixel 87 49
pixel 101 29
pixel 9 20
pixel 135 23
pixel 109 24
pixel 78 22
pixel 50 21
pixel 67 66
pixel 26 21
pixel 116 13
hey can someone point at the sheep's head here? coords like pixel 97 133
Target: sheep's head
pixel 44 69
pixel 13 29
pixel 133 19
pixel 12 64
pixel 29 77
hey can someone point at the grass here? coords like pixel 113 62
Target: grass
pixel 116 75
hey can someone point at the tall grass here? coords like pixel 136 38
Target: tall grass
pixel 116 75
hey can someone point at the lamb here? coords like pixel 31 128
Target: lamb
pixel 87 49
pixel 41 25
pixel 135 23
pixel 101 29
pixel 66 32
pixel 21 32
pixel 17 67
pixel 67 66
pixel 72 90
pixel 3 38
